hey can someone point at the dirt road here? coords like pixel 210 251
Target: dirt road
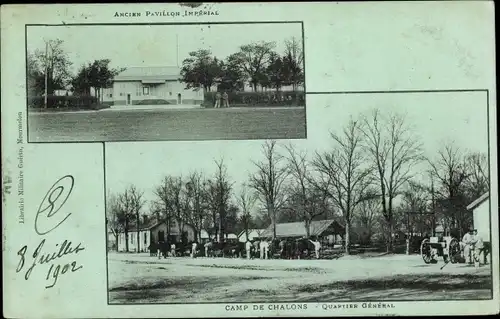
pixel 143 279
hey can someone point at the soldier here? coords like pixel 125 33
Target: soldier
pixel 317 247
pixel 225 100
pixel 194 249
pixel 217 100
pixel 172 250
pixel 466 245
pixel 248 247
pixel 477 243
pixel 208 246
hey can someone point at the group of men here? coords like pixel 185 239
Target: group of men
pixel 221 99
pixel 472 246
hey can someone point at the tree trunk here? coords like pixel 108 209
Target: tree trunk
pixel 273 221
pixel 347 240
pixel 138 234
pixel 308 228
pixel 126 234
pixel 116 240
pixel 391 237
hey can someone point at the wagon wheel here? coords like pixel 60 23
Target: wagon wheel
pixel 454 251
pixel 425 251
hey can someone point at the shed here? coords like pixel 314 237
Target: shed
pixel 481 216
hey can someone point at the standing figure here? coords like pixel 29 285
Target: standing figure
pixel 477 243
pixel 208 247
pixel 317 247
pixel 225 99
pixel 217 100
pixel 248 248
pixel 264 248
pixel 194 249
pixel 466 245
pixel 172 250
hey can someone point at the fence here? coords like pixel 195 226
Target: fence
pixel 65 102
pixel 258 99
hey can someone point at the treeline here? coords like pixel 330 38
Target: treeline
pixel 256 64
pixel 52 66
pixel 369 179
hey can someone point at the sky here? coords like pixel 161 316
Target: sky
pixel 155 45
pixel 435 119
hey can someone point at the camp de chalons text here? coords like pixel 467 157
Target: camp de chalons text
pixel 164 13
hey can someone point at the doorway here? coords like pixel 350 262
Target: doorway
pixel 128 99
pixel 179 98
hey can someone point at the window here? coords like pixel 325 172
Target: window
pixel 170 93
pixel 145 90
pixel 110 95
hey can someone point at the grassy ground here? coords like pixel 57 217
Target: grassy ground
pixel 191 124
pixel 143 279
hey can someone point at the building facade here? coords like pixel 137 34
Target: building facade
pixel 152 85
pixel 152 233
pixel 481 216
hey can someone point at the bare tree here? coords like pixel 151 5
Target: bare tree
pixel 366 216
pixel 449 170
pixel 197 188
pixel 394 151
pixel 246 201
pixel 268 181
pixel 172 198
pixel 304 192
pixel 344 174
pixel 114 216
pixel 130 203
pixel 477 183
pixel 218 194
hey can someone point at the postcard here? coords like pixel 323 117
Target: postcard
pixel 208 160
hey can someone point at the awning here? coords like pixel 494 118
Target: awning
pixel 153 81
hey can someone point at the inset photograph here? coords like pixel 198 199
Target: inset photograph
pixel 95 83
pixel 386 200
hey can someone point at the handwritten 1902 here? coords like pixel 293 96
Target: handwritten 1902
pixel 46 221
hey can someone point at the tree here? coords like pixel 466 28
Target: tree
pixel 201 70
pixel 268 181
pixel 450 171
pixel 246 201
pixel 35 75
pixel 345 177
pixel 218 195
pixel 96 75
pixel 477 183
pixel 232 76
pixel 275 71
pixel 197 188
pixel 55 63
pixel 130 203
pixel 253 59
pixel 365 217
pixel 394 151
pixel 306 197
pixel 115 216
pixel 293 62
pixel 173 199
pixel 415 213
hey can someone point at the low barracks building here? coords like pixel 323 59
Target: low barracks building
pixel 150 85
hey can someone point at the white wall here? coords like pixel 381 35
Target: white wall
pixel 132 241
pixel 482 220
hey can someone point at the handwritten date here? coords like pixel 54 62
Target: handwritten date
pixel 46 221
pixel 40 258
